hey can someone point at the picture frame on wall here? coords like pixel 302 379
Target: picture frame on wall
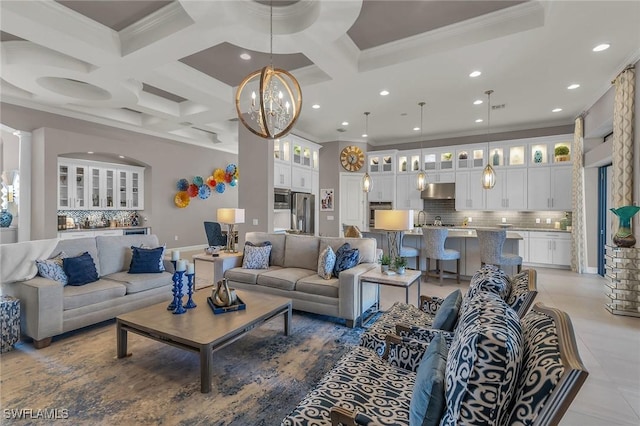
pixel 326 200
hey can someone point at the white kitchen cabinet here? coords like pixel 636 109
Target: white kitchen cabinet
pixel 75 235
pixel 130 188
pixel 523 246
pixel 102 188
pixel 383 187
pixel 301 179
pixel 381 162
pixel 469 192
pixel 550 248
pixel 549 188
pixel 441 177
pixel 281 175
pixel 438 159
pixel 282 149
pixel 304 153
pixel 72 185
pixel 408 161
pixel 407 194
pixel 509 192
pixel 471 156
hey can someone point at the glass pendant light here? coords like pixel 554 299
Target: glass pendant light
pixel 421 179
pixel 367 184
pixel 488 174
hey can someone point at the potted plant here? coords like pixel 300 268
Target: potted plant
pixel 385 262
pixel 562 153
pixel 401 265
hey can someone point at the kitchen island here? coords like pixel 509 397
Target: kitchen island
pixel 463 240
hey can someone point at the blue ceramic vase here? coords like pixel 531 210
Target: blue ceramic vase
pixel 5 219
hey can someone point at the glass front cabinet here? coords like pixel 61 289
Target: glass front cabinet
pixel 72 186
pixel 471 156
pixel 381 162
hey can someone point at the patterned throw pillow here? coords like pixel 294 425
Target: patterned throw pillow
pixel 492 279
pixel 256 256
pixel 147 260
pixel 52 268
pixel 80 269
pixel 326 263
pixel 346 258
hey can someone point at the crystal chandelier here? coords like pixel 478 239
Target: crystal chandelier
pixel 367 184
pixel 268 101
pixel 488 174
pixel 421 179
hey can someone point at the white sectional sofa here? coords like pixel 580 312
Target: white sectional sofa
pixel 293 273
pixel 48 308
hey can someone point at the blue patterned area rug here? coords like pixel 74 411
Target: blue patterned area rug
pixel 257 380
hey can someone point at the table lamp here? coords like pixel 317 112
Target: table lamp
pixel 394 222
pixel 231 217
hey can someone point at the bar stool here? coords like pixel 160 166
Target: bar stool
pixel 434 239
pixel 406 251
pixel 491 242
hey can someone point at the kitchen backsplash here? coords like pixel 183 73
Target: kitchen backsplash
pixel 97 217
pixel 448 214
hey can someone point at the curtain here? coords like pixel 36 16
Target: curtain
pixel 579 232
pixel 622 158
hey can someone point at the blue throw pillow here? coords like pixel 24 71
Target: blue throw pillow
pixel 80 270
pixel 447 315
pixel 326 263
pixel 346 258
pixel 146 260
pixel 428 398
pixel 52 268
pixel 256 256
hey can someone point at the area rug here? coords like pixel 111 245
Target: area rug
pixel 257 380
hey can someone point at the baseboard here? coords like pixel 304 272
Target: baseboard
pixel 591 270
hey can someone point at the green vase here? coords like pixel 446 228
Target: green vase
pixel 624 236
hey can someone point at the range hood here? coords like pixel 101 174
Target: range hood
pixel 439 191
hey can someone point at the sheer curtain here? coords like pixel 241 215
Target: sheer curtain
pixel 578 232
pixel 622 159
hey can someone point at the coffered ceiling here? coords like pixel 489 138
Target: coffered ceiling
pixel 171 68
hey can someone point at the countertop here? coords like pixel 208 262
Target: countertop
pixel 104 228
pixel 418 230
pixel 453 233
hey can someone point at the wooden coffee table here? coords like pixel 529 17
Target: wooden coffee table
pixel 199 329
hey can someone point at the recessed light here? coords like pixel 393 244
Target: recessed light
pixel 477 102
pixel 245 56
pixel 601 47
pixel 121 156
pixel 573 86
pixel 416 128
pixel 556 110
pixel 475 74
pixel 315 106
pixel 345 123
pixel 364 135
pixel 384 93
pixel 89 152
pixel 479 120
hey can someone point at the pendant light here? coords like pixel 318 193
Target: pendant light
pixel 421 179
pixel 367 184
pixel 488 174
pixel 274 110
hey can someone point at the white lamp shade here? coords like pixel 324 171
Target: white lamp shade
pixel 394 220
pixel 231 216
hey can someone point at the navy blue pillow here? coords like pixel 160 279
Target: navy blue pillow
pixel 80 270
pixel 428 398
pixel 346 258
pixel 146 261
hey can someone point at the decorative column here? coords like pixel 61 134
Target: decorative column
pixel 623 280
pixel 578 234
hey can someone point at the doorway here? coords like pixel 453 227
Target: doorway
pixel 352 200
pixel 604 214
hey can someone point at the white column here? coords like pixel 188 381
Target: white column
pixel 24 206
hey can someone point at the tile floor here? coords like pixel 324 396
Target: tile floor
pixel 609 345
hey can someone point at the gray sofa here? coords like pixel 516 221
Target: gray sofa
pixel 293 273
pixel 48 308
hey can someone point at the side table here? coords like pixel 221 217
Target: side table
pixel 221 263
pixel 9 322
pixel 375 276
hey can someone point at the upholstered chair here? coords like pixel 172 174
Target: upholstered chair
pixel 491 242
pixel 433 242
pixel 214 234
pixel 408 252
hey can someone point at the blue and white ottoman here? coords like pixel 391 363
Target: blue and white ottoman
pixel 9 322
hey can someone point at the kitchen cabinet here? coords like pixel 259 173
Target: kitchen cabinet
pixel 407 194
pixel 469 192
pixel 381 162
pixel 304 153
pixel 509 191
pixel 523 246
pixel 281 175
pixel 72 185
pixel 282 149
pixel 471 156
pixel 441 177
pixel 102 188
pixel 408 161
pixel 90 233
pixel 301 179
pixel 508 153
pixel 550 248
pixel 438 159
pixel 383 187
pixel 549 188
pixel 130 188
pixel 542 151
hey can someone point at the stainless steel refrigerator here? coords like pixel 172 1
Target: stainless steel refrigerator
pixel 303 212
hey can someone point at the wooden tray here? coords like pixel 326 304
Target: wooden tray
pixel 239 306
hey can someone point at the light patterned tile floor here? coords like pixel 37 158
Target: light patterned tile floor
pixel 609 345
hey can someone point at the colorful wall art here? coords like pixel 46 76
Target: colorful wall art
pixel 203 188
